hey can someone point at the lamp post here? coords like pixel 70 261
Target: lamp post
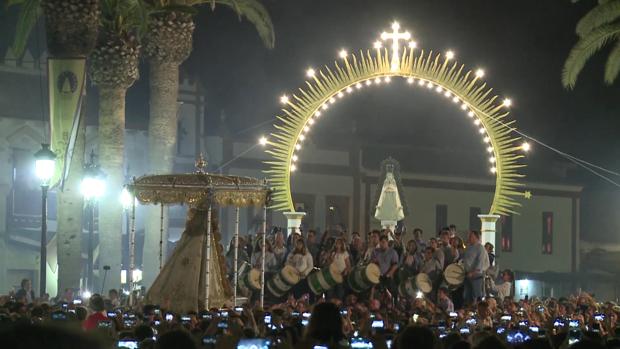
pixel 92 187
pixel 45 161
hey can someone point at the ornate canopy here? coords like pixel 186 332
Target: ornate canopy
pixel 200 187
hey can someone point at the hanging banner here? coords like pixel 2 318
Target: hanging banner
pixel 66 77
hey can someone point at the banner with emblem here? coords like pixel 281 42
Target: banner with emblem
pixel 66 78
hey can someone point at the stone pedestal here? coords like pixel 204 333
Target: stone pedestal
pixel 487 230
pixel 293 220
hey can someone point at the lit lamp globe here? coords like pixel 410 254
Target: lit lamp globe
pixel 45 163
pixel 93 184
pixel 126 199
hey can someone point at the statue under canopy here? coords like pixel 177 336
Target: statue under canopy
pixel 389 207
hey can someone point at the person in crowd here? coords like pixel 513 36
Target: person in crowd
pixel 503 289
pixel 326 252
pixel 484 319
pixel 176 339
pixel 475 262
pixel 97 307
pixel 279 249
pixel 431 267
pixel 68 296
pixel 325 328
pixel 271 264
pixel 437 251
pixel 452 231
pixel 301 260
pixel 397 243
pixel 387 260
pixel 410 261
pixel 113 301
pixel 356 247
pixel 417 337
pixel 489 248
pixel 418 236
pixel 373 244
pixel 25 294
pixel 450 254
pixel 313 245
pixel 242 256
pixel 340 259
pixel 443 300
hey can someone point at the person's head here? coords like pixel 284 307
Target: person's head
pixel 383 243
pixel 339 245
pixel 311 235
pixel 443 293
pixel 412 246
pixel 452 228
pixel 176 339
pixel 417 233
pixel 428 253
pixel 96 303
pixel 113 294
pixel 417 337
pixel 26 284
pixel 325 324
pixel 279 239
pixel 374 238
pixel 142 332
pixel 483 309
pixel 433 243
pixel 473 237
pixel 507 275
pixel 489 247
pixel 300 247
pixel 489 342
pixel 445 237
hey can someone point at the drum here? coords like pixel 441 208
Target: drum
pixel 249 279
pixel 407 287
pixel 322 280
pixel 283 281
pixel 423 282
pixel 363 277
pixel 454 275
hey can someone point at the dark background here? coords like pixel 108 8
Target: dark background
pixel 521 45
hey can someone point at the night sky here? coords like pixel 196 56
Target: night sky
pixel 520 44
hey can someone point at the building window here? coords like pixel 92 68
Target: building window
pixel 474 221
pixel 506 224
pixel 547 233
pixel 441 217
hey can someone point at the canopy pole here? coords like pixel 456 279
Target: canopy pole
pixel 208 259
pixel 132 250
pixel 161 235
pixel 236 254
pixel 262 267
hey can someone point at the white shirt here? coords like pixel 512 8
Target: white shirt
pixel 340 261
pixel 302 263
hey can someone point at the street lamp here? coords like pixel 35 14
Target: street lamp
pixel 45 161
pixel 92 187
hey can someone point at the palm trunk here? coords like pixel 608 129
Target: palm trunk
pixel 164 90
pixel 70 206
pixel 111 159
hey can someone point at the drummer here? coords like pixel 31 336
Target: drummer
pixel 410 260
pixel 301 260
pixel 476 262
pixel 431 267
pixel 271 265
pixel 387 260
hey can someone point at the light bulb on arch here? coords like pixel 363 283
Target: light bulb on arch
pixel 284 99
pixel 526 147
pixel 310 72
pixel 343 53
pixel 449 55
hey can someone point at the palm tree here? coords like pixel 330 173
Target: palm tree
pixel 71 27
pixel 113 67
pixel 167 43
pixel 597 29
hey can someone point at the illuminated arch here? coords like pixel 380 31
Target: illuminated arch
pixel 379 66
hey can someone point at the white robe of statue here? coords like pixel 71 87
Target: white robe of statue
pixel 389 208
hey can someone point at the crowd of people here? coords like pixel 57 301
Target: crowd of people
pixel 478 314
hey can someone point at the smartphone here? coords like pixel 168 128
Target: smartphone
pixel 169 317
pixel 454 314
pixel 596 327
pixel 415 317
pixel 306 315
pixel 295 314
pixel 156 323
pixel 254 343
pixel 320 347
pixel 464 330
pixel 396 327
pixel 185 319
pixel 558 322
pixel 111 314
pixel 500 330
pixel 207 316
pixel 361 343
pixel 304 322
pixel 156 311
pixel 222 324
pixel 267 318
pixel 59 316
pixel 516 337
pixel 388 343
pixel 471 322
pixel 441 325
pixel 77 301
pixel 573 323
pixel 534 329
pixel 127 343
pixel 506 318
pixel 129 322
pixel 377 324
pixel 104 324
pixel 209 342
pixel 599 317
pixel 239 309
pixel 343 312
pixel 524 323
pixel 574 336
pixel 72 311
pixel 224 313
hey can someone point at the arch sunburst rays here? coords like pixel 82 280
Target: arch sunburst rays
pixel 354 71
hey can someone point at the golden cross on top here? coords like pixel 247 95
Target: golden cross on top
pixel 396 36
